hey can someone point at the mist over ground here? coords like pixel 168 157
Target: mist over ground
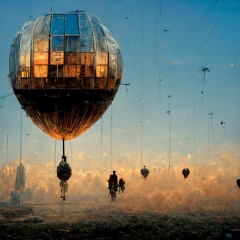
pixel 212 186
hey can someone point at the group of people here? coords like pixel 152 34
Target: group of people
pixel 113 182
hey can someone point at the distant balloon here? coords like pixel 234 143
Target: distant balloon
pixel 144 172
pixel 185 172
pixel 65 70
pixel 238 182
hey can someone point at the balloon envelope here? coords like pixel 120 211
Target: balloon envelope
pixel 238 182
pixel 185 172
pixel 65 70
pixel 144 172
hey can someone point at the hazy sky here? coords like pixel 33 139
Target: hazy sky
pixel 169 40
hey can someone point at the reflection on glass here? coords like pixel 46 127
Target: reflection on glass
pixel 65 50
pixel 57 25
pixel 72 44
pixel 57 43
pixel 71 24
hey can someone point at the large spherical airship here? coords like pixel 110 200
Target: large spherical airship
pixel 65 70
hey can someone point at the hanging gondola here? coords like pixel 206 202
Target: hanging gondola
pixel 185 172
pixel 144 172
pixel 64 172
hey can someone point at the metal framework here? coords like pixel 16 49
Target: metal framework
pixel 65 70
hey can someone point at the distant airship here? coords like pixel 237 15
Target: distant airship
pixel 65 70
pixel 238 182
pixel 185 172
pixel 144 172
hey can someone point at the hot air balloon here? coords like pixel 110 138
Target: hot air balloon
pixel 144 172
pixel 185 172
pixel 65 70
pixel 238 182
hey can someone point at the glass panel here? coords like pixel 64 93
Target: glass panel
pixel 71 24
pixel 119 65
pixel 85 28
pixel 98 28
pixel 73 44
pixel 86 37
pixel 100 38
pixel 43 25
pixel 101 71
pixel 57 27
pixel 102 58
pixel 57 43
pixel 40 58
pixel 41 43
pixel 112 66
pixel 25 72
pixel 101 43
pixel 86 43
pixel 112 44
pixel 25 51
pixel 95 19
pixel 40 71
pixel 14 58
pixel 83 18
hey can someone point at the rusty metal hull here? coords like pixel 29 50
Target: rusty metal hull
pixel 64 113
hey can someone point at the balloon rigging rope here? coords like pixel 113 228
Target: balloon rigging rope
pixel 55 155
pixel 111 134
pixel 132 9
pixel 21 137
pixel 30 10
pixel 71 148
pixel 208 141
pixel 209 126
pixel 204 70
pixel 203 83
pixel 141 122
pixel 157 27
pixel 170 134
pixel 7 149
pixel 194 137
pixel 101 144
pixel 6 95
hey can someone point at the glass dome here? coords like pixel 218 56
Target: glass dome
pixel 65 70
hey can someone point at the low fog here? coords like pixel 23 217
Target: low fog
pixel 211 185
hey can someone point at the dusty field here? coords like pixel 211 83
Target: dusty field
pixel 110 223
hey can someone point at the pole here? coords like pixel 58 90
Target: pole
pixel 63 148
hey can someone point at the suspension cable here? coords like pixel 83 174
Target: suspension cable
pixel 21 137
pixel 170 134
pixel 111 136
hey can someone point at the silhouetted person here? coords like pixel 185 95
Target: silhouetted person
pixel 121 185
pixel 113 180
